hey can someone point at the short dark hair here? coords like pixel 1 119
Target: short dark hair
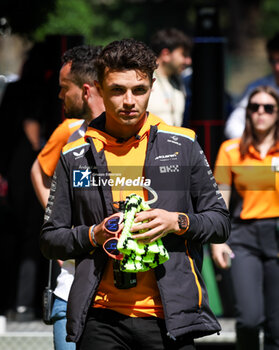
pixel 126 54
pixel 82 59
pixel 170 38
pixel 273 43
pixel 248 137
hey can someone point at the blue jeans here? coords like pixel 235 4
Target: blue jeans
pixel 58 316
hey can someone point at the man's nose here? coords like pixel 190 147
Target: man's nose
pixel 128 98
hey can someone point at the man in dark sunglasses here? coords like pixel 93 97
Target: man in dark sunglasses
pixel 128 150
pixel 235 124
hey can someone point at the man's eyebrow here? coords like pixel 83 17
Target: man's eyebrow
pixel 123 86
pixel 141 85
pixel 116 85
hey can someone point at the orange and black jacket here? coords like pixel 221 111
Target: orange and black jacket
pixel 180 175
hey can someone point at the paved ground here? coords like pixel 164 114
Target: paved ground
pixel 36 335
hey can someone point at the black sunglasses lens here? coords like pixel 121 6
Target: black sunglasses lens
pixel 254 107
pixel 111 247
pixel 112 224
pixel 269 108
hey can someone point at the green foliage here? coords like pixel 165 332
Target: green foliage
pixel 270 14
pixel 99 21
pixel 102 21
pixel 118 19
pixel 70 17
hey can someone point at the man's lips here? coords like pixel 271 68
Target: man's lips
pixel 128 113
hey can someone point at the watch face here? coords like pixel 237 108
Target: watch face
pixel 182 221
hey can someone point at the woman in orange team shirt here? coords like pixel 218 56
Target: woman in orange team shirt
pixel 248 167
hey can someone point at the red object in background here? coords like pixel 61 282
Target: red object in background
pixel 3 187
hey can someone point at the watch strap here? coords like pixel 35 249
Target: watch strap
pixel 183 223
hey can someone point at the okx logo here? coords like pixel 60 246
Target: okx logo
pixel 169 169
pixel 81 178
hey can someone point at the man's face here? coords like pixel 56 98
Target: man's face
pixel 70 94
pixel 179 59
pixel 125 94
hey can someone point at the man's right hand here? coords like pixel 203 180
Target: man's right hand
pixel 101 232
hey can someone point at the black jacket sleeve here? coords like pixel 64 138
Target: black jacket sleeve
pixel 59 240
pixel 210 222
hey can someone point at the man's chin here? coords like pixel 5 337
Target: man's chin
pixel 129 120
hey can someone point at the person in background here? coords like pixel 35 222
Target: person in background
pixel 81 101
pixel 236 122
pixel 22 114
pixel 249 165
pixel 167 99
pixel 164 307
pixel 187 78
pixel 44 165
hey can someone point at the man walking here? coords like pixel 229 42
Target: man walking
pixel 164 307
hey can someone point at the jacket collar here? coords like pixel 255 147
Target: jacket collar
pixel 97 130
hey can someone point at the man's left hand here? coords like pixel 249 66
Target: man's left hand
pixel 159 223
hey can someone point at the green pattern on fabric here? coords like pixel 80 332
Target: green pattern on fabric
pixel 138 257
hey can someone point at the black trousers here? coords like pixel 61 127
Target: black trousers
pixel 255 278
pixel 109 330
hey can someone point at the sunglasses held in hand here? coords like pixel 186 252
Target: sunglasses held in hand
pixel 112 225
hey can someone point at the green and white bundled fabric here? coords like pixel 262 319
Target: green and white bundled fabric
pixel 138 257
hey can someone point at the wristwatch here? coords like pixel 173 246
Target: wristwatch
pixel 183 222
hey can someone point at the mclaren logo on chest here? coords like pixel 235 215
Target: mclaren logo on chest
pixel 167 157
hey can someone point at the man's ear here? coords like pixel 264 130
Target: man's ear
pixel 165 55
pixel 86 91
pixel 152 82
